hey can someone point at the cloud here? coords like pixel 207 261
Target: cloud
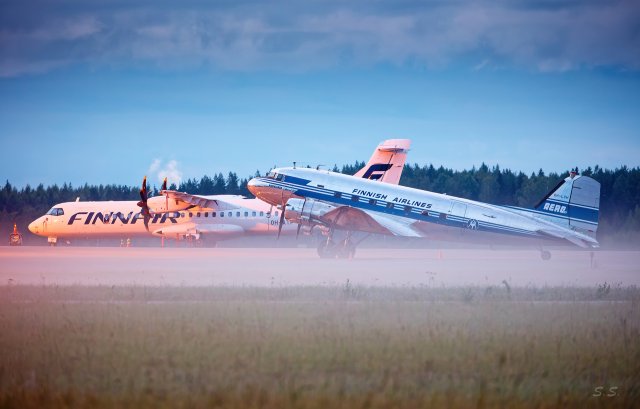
pixel 170 170
pixel 246 35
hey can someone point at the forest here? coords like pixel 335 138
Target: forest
pixel 619 200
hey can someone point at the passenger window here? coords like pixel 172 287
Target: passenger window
pixel 221 214
pixel 261 214
pixel 206 214
pixel 268 215
pixel 337 195
pixel 213 214
pixel 190 214
pixel 407 209
pixel 237 214
pixel 198 214
pixel 246 214
pixel 389 205
pixel 253 214
pixel 181 215
pixel 229 214
pixel 354 198
pixel 276 214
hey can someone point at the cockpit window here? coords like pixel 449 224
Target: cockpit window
pixel 276 176
pixel 55 211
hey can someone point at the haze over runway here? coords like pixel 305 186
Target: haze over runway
pixel 301 266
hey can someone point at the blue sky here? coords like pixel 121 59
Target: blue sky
pixel 106 94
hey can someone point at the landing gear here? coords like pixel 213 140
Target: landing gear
pixel 330 249
pixel 545 254
pixel 326 249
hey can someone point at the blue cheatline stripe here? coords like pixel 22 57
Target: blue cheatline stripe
pixel 573 211
pixel 396 209
pixel 557 215
pixel 572 204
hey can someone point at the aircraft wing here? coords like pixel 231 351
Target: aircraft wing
pixel 200 201
pixel 226 230
pixel 350 218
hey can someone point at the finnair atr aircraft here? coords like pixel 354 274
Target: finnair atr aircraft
pixel 345 204
pixel 180 215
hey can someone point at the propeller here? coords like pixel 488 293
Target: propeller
pixel 281 220
pixel 146 213
pixel 166 195
pixel 298 231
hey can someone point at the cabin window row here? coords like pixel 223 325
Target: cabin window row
pixel 389 205
pixel 227 214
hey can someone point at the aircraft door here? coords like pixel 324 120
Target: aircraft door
pixel 458 209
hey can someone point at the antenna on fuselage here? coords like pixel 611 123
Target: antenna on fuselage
pixel 294 164
pixel 318 167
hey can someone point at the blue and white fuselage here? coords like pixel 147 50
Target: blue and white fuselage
pixel 345 202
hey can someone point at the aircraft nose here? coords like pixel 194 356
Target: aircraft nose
pixel 32 227
pixel 255 185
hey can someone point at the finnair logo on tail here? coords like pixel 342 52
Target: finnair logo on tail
pixel 556 208
pixel 376 171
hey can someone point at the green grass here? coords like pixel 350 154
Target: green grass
pixel 318 347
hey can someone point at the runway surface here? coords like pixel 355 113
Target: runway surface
pixel 301 266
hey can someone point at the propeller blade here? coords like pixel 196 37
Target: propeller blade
pixel 146 213
pixel 143 192
pixel 298 231
pixel 281 221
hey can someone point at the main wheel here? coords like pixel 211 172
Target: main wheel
pixel 346 250
pixel 326 249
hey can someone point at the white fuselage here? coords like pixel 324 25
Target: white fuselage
pixel 406 205
pixel 124 219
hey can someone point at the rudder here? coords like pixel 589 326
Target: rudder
pixel 387 161
pixel 574 203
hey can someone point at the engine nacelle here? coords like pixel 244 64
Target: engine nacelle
pixel 160 204
pixel 306 212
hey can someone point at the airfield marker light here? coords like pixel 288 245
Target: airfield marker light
pixel 15 229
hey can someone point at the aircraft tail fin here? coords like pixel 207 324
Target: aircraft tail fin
pixel 387 161
pixel 574 203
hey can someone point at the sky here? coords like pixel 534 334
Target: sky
pixel 110 91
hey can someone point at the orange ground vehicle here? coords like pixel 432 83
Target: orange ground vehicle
pixel 15 238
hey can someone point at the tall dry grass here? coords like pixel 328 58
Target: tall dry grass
pixel 318 347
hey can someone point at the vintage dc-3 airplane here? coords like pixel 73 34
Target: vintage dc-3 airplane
pixel 179 215
pixel 342 205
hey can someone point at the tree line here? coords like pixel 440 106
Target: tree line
pixel 619 197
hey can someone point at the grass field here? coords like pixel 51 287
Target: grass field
pixel 319 347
